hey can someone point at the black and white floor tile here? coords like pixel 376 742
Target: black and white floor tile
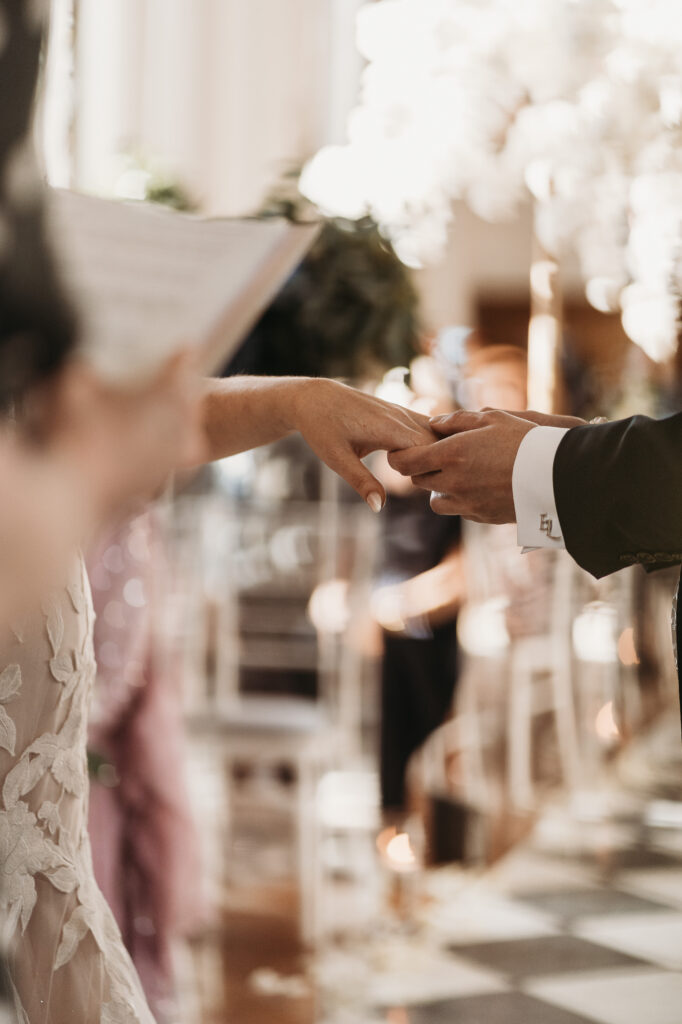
pixel 558 943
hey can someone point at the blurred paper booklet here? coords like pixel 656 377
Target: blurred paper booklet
pixel 149 280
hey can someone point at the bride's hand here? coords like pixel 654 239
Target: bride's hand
pixel 342 426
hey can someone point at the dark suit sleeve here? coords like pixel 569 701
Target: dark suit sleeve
pixel 618 492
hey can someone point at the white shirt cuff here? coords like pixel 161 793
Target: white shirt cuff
pixel 533 486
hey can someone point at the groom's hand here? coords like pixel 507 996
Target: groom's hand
pixel 469 471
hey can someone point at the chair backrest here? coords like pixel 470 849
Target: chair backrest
pixel 245 573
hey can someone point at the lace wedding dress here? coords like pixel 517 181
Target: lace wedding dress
pixel 67 962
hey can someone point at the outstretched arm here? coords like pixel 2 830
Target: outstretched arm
pixel 339 424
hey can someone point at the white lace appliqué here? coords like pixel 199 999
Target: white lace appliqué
pixel 43 835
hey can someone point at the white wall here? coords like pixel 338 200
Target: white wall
pixel 482 258
pixel 225 93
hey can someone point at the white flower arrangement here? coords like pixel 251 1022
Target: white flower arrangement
pixel 575 103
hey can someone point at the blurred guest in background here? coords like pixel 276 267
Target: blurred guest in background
pixel 416 604
pixel 504 597
pixel 496 376
pixel 144 846
pixel 419 589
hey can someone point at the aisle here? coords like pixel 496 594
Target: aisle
pixel 580 923
pixel 565 945
pixel 546 937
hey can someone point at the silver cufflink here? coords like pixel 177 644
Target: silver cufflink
pixel 546 526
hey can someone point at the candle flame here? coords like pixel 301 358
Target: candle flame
pixel 384 838
pixel 627 652
pixel 605 723
pixel 399 851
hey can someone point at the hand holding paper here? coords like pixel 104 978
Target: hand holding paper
pixel 150 281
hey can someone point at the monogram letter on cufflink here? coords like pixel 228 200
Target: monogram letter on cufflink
pixel 546 525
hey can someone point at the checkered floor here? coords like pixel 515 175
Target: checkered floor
pixel 580 924
pixel 558 939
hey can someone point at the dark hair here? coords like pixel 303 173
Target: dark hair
pixel 38 327
pixel 31 350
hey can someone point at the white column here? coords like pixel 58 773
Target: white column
pixel 268 95
pixel 345 68
pixel 58 102
pixel 109 81
pixel 173 96
pixel 223 93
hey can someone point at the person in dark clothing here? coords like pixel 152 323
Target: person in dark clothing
pixel 419 668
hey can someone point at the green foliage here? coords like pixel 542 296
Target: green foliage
pixel 169 194
pixel 350 310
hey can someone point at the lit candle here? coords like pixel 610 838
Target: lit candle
pixel 402 868
pixel 400 855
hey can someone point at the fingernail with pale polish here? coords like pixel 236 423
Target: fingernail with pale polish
pixel 374 501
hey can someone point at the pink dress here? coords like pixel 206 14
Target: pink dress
pixel 143 836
